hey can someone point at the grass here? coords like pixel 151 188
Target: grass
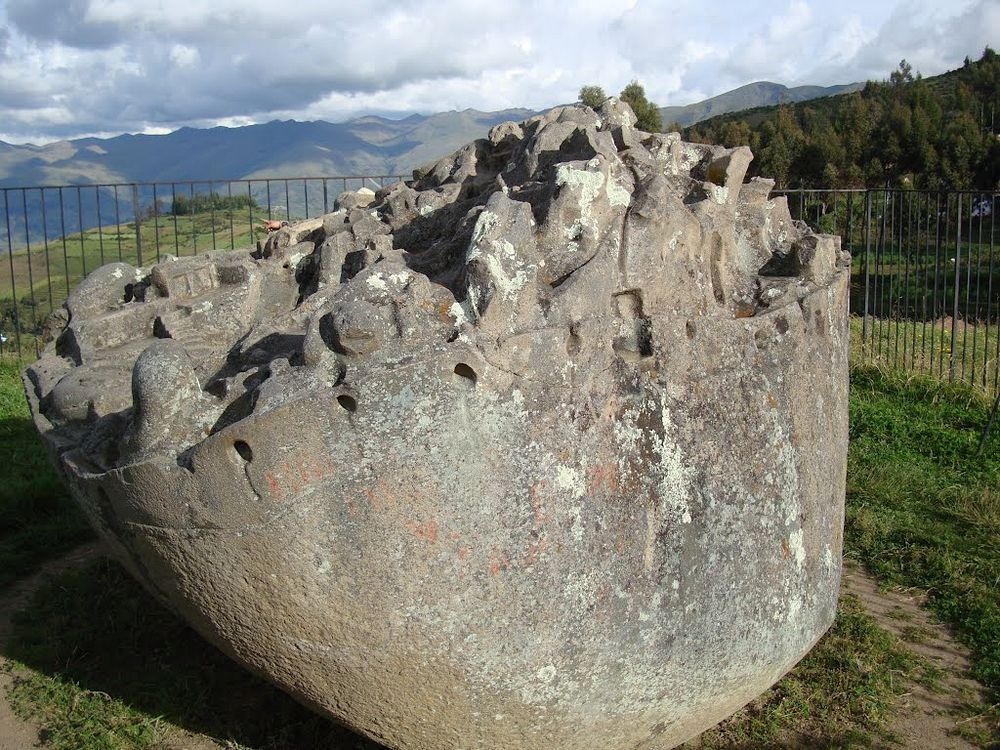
pixel 37 518
pixel 100 665
pixel 923 508
pixel 926 349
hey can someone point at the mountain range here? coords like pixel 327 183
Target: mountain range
pixel 363 146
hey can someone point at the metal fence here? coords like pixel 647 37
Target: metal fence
pixel 54 235
pixel 925 274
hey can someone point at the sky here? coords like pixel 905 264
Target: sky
pixel 70 68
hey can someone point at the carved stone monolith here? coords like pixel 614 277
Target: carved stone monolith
pixel 542 449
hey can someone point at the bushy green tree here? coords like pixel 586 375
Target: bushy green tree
pixel 782 142
pixel 736 133
pixel 648 114
pixel 592 96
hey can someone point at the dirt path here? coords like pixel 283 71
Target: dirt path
pixel 925 719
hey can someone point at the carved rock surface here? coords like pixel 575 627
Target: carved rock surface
pixel 543 449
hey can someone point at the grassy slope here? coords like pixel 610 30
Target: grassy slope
pixel 37 519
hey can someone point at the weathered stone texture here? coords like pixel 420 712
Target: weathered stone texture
pixel 543 449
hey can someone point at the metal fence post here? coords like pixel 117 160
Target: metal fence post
pixel 136 216
pixel 868 250
pixel 958 283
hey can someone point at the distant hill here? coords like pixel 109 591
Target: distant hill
pixel 367 145
pixel 759 94
pixel 364 145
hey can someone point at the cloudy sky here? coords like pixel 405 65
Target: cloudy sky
pixel 75 67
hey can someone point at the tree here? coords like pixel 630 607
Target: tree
pixel 647 113
pixel 782 142
pixel 592 96
pixel 902 75
pixel 735 133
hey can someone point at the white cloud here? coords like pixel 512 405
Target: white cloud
pixel 184 56
pixel 96 65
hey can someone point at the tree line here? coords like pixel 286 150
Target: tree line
pixel 939 133
pixel 906 132
pixel 647 114
pixel 199 203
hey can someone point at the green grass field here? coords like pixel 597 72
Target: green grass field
pixel 923 506
pixel 919 348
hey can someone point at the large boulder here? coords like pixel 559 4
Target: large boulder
pixel 542 449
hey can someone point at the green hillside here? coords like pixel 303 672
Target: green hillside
pixel 907 131
pixel 752 95
pixel 38 281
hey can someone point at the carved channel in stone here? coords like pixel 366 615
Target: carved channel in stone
pixel 634 339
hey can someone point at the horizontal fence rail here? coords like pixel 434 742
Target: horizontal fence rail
pixel 925 273
pixel 54 235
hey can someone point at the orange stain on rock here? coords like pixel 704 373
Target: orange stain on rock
pixel 296 476
pixel 273 486
pixel 498 561
pixel 602 476
pixel 427 531
pixel 537 507
pixel 382 496
pixel 534 551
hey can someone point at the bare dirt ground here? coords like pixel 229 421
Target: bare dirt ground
pixel 925 719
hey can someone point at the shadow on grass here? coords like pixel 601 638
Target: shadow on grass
pixel 113 665
pixel 38 520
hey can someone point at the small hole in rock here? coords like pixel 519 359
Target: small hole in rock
pixel 160 330
pixel 243 450
pixel 466 372
pixel 573 344
pixel 690 329
pixel 348 402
